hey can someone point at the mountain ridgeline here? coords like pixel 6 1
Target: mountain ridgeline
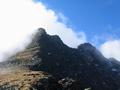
pixel 82 68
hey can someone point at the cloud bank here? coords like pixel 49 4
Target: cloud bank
pixel 111 49
pixel 19 19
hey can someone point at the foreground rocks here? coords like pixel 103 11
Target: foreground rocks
pixel 34 80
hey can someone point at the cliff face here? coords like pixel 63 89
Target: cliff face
pixel 69 68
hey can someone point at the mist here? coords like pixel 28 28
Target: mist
pixel 20 19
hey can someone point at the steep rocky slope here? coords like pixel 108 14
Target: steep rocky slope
pixel 68 68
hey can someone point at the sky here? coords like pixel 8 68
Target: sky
pixel 76 22
pixel 99 19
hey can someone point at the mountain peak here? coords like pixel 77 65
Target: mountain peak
pixel 41 38
pixel 86 46
pixel 41 31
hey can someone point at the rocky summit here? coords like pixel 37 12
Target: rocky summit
pixel 48 64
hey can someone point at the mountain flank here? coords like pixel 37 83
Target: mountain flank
pixel 48 64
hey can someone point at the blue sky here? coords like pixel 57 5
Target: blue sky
pixel 99 19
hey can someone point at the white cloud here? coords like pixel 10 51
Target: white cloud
pixel 20 18
pixel 111 49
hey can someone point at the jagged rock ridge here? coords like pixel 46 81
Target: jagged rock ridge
pixel 72 69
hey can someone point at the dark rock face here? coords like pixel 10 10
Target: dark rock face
pixel 73 69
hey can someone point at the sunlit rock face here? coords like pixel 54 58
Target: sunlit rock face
pixel 70 69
